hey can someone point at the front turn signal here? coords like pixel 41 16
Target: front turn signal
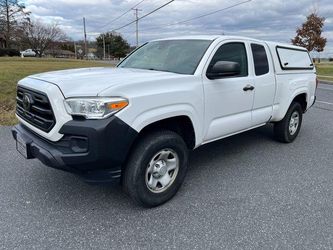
pixel 118 105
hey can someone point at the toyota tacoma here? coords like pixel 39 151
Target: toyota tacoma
pixel 135 124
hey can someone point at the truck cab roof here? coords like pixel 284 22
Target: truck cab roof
pixel 224 37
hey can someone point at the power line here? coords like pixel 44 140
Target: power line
pixel 198 17
pixel 115 19
pixel 162 6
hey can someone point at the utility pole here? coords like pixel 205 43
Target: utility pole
pixel 75 50
pixel 104 46
pixel 85 37
pixel 136 12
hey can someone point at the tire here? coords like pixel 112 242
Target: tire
pixel 156 168
pixel 284 131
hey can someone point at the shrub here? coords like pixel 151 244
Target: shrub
pixel 330 59
pixel 2 52
pixel 9 52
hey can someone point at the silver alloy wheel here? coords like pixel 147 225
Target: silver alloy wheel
pixel 293 123
pixel 162 170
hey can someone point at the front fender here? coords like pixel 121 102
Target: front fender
pixel 147 117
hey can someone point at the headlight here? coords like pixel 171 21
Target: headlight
pixel 95 108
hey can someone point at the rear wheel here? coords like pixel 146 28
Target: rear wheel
pixel 156 168
pixel 287 130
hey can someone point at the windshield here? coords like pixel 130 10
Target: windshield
pixel 177 56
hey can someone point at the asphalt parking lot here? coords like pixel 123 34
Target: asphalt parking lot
pixel 247 192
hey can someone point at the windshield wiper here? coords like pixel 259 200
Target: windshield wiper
pixel 152 69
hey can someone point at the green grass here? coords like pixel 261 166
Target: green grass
pixel 325 71
pixel 14 69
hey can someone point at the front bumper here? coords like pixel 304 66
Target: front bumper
pixel 93 149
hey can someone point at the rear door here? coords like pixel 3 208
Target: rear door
pixel 264 83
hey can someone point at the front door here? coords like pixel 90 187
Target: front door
pixel 229 100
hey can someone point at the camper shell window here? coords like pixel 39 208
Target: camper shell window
pixel 294 59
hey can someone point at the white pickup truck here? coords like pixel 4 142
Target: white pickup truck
pixel 136 123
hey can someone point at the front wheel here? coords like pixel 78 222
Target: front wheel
pixel 156 168
pixel 287 130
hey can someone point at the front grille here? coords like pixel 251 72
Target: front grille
pixel 37 110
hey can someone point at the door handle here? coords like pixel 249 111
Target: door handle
pixel 248 87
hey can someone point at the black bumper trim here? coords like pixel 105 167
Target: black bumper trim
pixel 108 142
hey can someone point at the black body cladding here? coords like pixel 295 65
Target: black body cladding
pixel 94 149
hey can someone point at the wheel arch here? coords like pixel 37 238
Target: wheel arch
pixel 182 125
pixel 302 100
pixel 180 114
pixel 279 111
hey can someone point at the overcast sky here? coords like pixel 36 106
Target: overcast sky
pixel 263 19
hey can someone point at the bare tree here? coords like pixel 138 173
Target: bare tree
pixel 40 36
pixel 12 13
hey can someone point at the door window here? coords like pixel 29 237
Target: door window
pixel 232 52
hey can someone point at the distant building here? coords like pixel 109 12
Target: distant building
pixel 59 53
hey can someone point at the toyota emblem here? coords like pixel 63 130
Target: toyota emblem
pixel 26 102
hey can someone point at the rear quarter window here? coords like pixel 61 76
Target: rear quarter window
pixel 261 65
pixel 294 59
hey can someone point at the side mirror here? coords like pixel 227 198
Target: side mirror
pixel 223 69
